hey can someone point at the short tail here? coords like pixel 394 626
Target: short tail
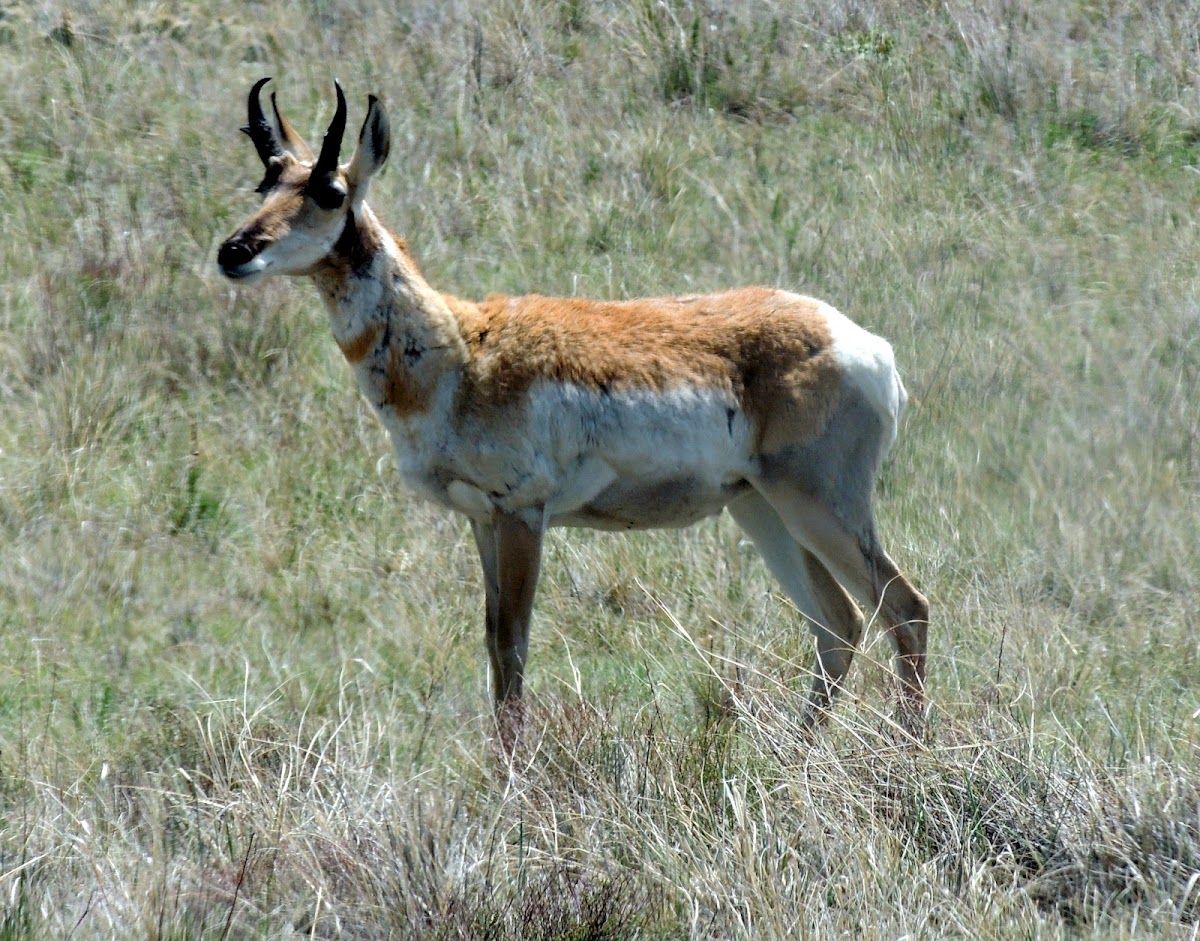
pixel 897 405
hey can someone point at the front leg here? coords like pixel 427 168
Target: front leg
pixel 485 542
pixel 510 551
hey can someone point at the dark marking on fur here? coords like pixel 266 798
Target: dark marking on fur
pixel 413 351
pixel 351 247
pixel 386 343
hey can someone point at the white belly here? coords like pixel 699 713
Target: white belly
pixel 651 504
pixel 618 460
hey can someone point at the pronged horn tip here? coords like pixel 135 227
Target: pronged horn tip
pixel 331 146
pixel 258 128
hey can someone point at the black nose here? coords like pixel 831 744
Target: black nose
pixel 233 254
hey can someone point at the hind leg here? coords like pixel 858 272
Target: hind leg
pixel 857 560
pixel 835 620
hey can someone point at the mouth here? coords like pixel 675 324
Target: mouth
pixel 244 273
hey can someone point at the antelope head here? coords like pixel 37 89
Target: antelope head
pixel 307 203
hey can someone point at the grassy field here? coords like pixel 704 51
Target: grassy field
pixel 242 675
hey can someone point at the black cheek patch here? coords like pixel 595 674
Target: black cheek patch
pixel 326 197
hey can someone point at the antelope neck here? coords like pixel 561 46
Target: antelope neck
pixel 378 300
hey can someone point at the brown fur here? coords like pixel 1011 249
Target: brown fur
pixel 404 391
pixel 286 208
pixel 769 351
pixel 357 347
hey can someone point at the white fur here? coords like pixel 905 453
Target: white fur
pixel 867 362
pixel 588 458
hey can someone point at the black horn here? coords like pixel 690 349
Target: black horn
pixel 259 129
pixel 331 146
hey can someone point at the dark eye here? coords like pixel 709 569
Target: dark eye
pixel 327 197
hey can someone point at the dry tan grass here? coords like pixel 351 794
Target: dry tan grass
pixel 241 677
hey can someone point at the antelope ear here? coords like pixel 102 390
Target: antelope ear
pixel 374 141
pixel 292 142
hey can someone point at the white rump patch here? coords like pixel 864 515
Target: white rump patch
pixel 867 362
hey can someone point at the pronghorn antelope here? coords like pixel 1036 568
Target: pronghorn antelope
pixel 523 413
